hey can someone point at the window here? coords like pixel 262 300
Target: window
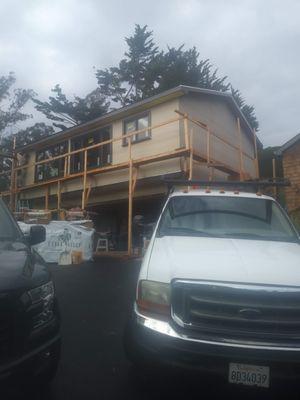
pixel 54 168
pixel 97 157
pixel 136 124
pixel 8 229
pixel 225 217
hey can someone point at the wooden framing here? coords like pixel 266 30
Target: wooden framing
pixel 130 200
pixel 240 149
pixel 84 180
pixel 274 176
pixel 186 152
pixel 58 195
pixel 191 155
pixel 13 177
pixel 47 198
pixel 256 154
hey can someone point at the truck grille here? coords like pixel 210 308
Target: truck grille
pixel 238 312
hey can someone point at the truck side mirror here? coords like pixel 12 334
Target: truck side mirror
pixel 37 235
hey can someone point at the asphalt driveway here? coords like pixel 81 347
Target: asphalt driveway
pixel 95 299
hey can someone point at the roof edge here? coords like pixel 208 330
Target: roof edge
pixel 176 92
pixel 288 144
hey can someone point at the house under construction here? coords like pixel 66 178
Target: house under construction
pixel 112 165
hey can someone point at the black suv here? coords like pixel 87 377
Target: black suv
pixel 29 317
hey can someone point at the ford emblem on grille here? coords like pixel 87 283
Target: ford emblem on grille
pixel 249 313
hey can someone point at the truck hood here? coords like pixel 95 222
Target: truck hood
pixel 224 259
pixel 20 268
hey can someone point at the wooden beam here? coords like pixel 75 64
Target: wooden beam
pixel 208 146
pixel 186 132
pixel 66 166
pixel 130 203
pixel 191 159
pixel 161 157
pixel 69 157
pixel 274 175
pixel 84 180
pixel 58 195
pixel 135 175
pixel 88 194
pixel 13 179
pixel 47 198
pixel 201 159
pixel 256 155
pixel 240 149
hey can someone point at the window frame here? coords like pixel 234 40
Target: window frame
pixel 134 138
pixel 60 161
pixel 84 137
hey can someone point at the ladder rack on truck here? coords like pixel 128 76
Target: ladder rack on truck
pixel 252 186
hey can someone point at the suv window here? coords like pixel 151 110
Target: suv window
pixel 235 217
pixel 8 230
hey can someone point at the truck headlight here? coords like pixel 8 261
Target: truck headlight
pixel 42 297
pixel 42 293
pixel 154 297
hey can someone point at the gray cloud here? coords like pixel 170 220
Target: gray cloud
pixel 254 42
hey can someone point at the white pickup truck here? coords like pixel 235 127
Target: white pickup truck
pixel 219 288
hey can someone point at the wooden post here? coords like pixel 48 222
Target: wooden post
pixel 130 202
pixel 240 150
pixel 84 179
pixel 135 175
pixel 65 166
pixel 69 157
pixel 13 178
pixel 47 198
pixel 208 146
pixel 186 132
pixel 256 155
pixel 211 169
pixel 58 195
pixel 274 176
pixel 191 155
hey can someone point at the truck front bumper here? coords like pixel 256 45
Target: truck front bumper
pixel 150 341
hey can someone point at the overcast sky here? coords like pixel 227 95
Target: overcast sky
pixel 254 42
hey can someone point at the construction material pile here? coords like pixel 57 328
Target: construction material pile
pixel 67 242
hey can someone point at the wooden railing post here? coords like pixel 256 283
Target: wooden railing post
pixel 256 154
pixel 58 195
pixel 191 155
pixel 130 200
pixel 186 131
pixel 240 150
pixel 211 169
pixel 84 180
pixel 47 198
pixel 13 178
pixel 274 176
pixel 69 157
pixel 208 146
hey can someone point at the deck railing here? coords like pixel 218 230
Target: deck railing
pixel 198 145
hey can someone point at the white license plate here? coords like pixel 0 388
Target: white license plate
pixel 251 375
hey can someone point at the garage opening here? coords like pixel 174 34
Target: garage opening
pixel 111 223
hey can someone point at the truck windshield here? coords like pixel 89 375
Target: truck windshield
pixel 8 230
pixel 232 217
